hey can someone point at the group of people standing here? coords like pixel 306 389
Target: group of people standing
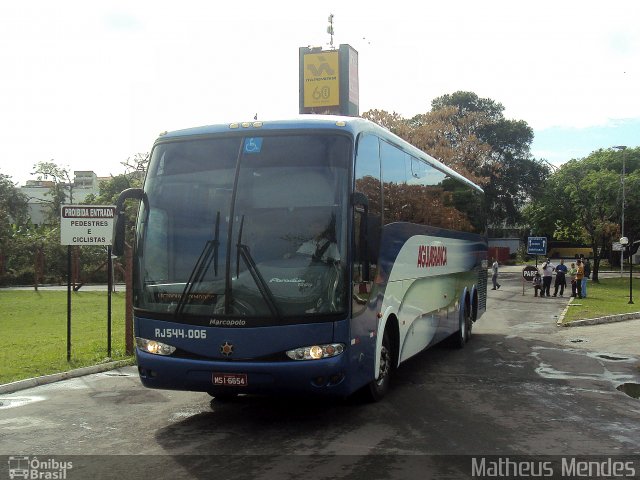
pixel 578 274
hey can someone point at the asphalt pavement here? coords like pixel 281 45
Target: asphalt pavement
pixel 522 386
pixel 615 334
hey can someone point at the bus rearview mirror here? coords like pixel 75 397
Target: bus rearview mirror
pixel 119 228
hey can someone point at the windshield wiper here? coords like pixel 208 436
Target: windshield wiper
pixel 265 291
pixel 209 253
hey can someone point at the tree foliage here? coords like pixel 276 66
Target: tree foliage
pixel 13 212
pixel 135 169
pixel 26 248
pixel 471 135
pixel 62 182
pixel 13 203
pixel 582 202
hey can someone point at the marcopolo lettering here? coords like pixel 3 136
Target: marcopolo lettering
pixel 432 256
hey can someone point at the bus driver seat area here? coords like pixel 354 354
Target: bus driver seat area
pixel 285 208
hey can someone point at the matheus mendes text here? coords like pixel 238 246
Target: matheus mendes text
pixel 432 256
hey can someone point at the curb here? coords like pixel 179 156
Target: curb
pixel 595 321
pixel 563 314
pixel 56 377
pixel 602 320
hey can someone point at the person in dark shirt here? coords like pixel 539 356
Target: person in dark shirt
pixel 587 275
pixel 537 284
pixel 561 279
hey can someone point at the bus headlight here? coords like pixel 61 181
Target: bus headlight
pixel 155 347
pixel 316 352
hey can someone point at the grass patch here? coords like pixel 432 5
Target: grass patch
pixel 33 328
pixel 608 297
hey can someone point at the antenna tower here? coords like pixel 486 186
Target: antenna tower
pixel 330 29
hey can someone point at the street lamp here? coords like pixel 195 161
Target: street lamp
pixel 624 241
pixel 622 148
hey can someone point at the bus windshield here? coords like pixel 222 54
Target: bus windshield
pixel 244 231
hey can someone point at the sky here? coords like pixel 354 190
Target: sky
pixel 89 84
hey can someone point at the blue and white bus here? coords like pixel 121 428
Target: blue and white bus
pixel 305 256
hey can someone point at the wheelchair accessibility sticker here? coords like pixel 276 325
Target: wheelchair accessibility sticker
pixel 253 145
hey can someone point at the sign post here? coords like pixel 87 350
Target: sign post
pixel 528 273
pixel 110 287
pixel 68 303
pixel 87 225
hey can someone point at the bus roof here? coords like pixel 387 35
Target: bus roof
pixel 352 125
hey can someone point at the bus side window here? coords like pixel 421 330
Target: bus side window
pixel 367 183
pixel 394 176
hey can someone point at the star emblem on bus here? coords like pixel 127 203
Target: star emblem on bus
pixel 226 349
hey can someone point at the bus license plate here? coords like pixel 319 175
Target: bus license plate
pixel 230 379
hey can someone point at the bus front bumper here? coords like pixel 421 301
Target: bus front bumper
pixel 319 377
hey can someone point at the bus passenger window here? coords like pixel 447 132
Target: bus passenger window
pixel 394 174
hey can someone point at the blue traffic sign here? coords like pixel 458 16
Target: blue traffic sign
pixel 537 245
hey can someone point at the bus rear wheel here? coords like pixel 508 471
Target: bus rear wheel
pixel 464 333
pixel 379 387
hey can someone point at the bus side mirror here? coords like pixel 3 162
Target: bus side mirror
pixel 370 225
pixel 360 204
pixel 119 228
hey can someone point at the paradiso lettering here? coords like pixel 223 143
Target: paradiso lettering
pixel 432 256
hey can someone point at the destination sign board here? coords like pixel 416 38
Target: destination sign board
pixel 537 245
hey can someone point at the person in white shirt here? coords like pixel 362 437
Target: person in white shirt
pixel 494 276
pixel 547 276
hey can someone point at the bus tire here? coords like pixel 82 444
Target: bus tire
pixel 379 387
pixel 463 335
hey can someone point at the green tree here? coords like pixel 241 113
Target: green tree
pixel 471 135
pixel 108 190
pixel 62 183
pixel 135 169
pixel 14 212
pixel 512 176
pixel 583 202
pixel 13 204
pixel 452 140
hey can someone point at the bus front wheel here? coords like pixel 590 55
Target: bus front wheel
pixel 380 386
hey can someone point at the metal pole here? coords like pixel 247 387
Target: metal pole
pixel 68 303
pixel 109 287
pixel 622 148
pixel 128 280
pixel 622 250
pixel 630 274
